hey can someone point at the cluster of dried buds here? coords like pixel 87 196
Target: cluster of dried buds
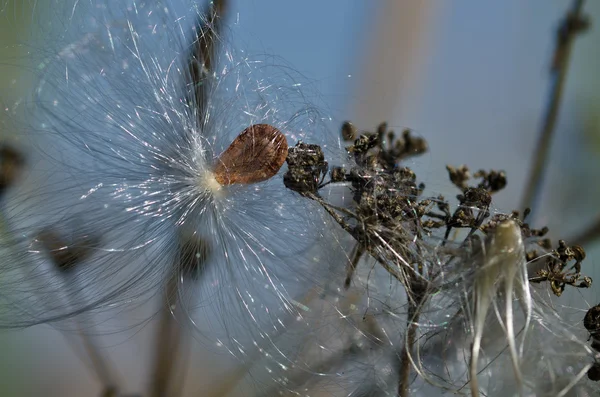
pixel 389 212
pixel 390 219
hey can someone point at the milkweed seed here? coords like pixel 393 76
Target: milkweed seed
pixel 254 156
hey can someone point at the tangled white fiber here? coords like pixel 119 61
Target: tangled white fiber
pixel 124 153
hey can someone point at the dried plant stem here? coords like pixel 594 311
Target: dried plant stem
pixel 572 24
pixel 100 365
pixel 357 253
pixel 171 356
pixel 588 235
pixel 110 392
pixel 405 362
pixel 416 296
pixel 204 51
pixel 168 346
pixel 399 274
pixel 169 338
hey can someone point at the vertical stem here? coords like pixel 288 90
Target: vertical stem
pixel 416 295
pixel 99 363
pixel 588 235
pixel 411 334
pixel 170 362
pixel 67 259
pixel 168 342
pixel 203 56
pixel 357 253
pixel 572 24
pixel 101 366
pixel 109 392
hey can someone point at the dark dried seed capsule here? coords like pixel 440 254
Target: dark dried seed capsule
pixel 306 166
pixel 594 373
pixel 65 256
pixel 348 131
pixel 254 156
pixel 338 174
pixel 11 162
pixel 591 321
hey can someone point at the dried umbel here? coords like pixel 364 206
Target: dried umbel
pixel 463 300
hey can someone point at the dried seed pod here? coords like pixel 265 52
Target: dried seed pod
pixel 591 321
pixel 64 256
pixel 594 373
pixel 11 162
pixel 338 174
pixel 348 131
pixel 193 255
pixel 254 156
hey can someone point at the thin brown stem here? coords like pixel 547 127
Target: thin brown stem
pixel 411 337
pixel 171 359
pixel 357 253
pixel 416 295
pixel 588 235
pixel 85 344
pixel 67 259
pixel 100 365
pixel 573 24
pixel 168 342
pixel 204 52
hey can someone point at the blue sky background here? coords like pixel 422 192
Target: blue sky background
pixel 320 39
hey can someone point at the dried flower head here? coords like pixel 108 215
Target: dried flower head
pixel 461 298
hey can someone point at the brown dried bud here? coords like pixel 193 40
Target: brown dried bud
pixel 11 162
pixel 63 255
pixel 591 321
pixel 254 156
pixel 338 174
pixel 348 131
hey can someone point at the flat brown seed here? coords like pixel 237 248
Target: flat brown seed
pixel 254 156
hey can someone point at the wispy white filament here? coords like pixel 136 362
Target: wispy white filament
pixel 123 149
pixel 503 267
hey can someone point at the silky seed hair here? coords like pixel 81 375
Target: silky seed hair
pixel 127 146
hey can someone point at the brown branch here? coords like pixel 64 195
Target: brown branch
pixel 573 24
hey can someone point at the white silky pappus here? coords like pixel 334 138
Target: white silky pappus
pixel 121 150
pixel 498 281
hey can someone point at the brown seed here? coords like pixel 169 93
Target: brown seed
pixel 254 156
